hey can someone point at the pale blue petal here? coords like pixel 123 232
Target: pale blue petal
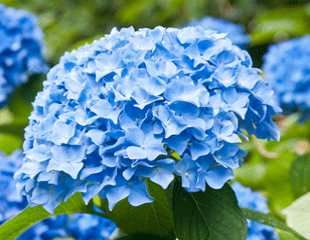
pixel 139 195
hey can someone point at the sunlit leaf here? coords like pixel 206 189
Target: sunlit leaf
pixel 298 215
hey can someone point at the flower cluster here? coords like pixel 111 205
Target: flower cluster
pixel 114 113
pixel 235 32
pixel 79 226
pixel 255 201
pixel 20 49
pixel 287 68
pixel 11 202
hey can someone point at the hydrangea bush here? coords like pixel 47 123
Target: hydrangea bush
pixel 255 201
pixel 21 49
pixel 235 32
pixel 143 105
pixel 287 68
pixel 78 226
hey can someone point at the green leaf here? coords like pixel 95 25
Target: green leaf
pixel 298 215
pixel 286 236
pixel 143 237
pixel 20 101
pixel 5 116
pixel 270 220
pixel 9 143
pixel 273 175
pixel 13 128
pixel 213 215
pixel 251 174
pixel 11 124
pixel 153 218
pixel 14 227
pixel 300 175
pixel 283 22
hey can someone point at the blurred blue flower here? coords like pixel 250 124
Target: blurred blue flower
pixel 287 68
pixel 235 32
pixel 254 201
pixel 112 112
pixel 78 226
pixel 11 202
pixel 21 49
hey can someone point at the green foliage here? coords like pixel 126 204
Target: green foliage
pixel 69 23
pixel 20 103
pixel 16 226
pixel 11 229
pixel 300 175
pixel 14 118
pixel 9 143
pixel 143 237
pixel 270 220
pixel 281 23
pixel 268 165
pixel 155 218
pixel 213 214
pixel 298 215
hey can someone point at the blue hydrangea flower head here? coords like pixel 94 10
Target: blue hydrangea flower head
pixel 78 226
pixel 235 32
pixel 21 49
pixel 112 112
pixel 287 68
pixel 254 201
pixel 11 202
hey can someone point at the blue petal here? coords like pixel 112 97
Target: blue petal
pixel 139 195
pixel 198 149
pixel 116 194
pixel 68 153
pixel 218 176
pixel 136 153
pixel 62 132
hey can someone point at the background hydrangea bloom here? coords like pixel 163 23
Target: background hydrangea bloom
pixel 255 201
pixel 20 49
pixel 287 68
pixel 235 32
pixel 11 202
pixel 112 111
pixel 78 226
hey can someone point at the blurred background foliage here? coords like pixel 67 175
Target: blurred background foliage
pixel 278 169
pixel 69 23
